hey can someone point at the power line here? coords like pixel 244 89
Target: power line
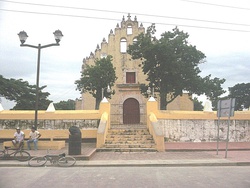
pixel 218 5
pixel 63 94
pixel 119 12
pixel 101 18
pixel 55 14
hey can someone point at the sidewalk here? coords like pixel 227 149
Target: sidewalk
pixel 177 154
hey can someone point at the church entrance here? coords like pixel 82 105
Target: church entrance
pixel 131 111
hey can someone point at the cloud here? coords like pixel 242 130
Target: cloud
pixel 233 67
pixel 227 51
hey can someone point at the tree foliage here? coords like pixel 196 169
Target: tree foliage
pixel 95 78
pixel 23 94
pixel 241 93
pixel 65 105
pixel 12 89
pixel 212 89
pixel 197 104
pixel 171 66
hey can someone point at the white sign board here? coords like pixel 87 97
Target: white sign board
pixel 226 108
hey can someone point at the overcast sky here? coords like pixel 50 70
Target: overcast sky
pixel 218 28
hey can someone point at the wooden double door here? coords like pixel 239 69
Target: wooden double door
pixel 131 111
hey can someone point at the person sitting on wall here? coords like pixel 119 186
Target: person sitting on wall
pixel 19 136
pixel 33 137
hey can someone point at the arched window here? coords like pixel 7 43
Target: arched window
pixel 129 30
pixel 103 55
pixel 134 40
pixel 123 45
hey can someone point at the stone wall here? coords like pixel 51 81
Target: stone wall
pixel 48 124
pixel 205 130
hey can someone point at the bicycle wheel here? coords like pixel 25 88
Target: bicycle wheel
pixel 66 161
pixel 37 161
pixel 22 156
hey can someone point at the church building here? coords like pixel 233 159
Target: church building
pixel 127 104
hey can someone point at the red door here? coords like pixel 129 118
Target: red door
pixel 131 111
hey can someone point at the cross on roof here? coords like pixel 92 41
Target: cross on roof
pixel 129 16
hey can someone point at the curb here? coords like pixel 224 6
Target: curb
pixel 199 150
pixel 166 165
pixel 151 164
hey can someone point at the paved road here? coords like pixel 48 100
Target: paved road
pixel 123 177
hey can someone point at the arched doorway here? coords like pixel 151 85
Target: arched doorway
pixel 131 111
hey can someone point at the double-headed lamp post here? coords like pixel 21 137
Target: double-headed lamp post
pixel 108 90
pixel 23 36
pixel 151 92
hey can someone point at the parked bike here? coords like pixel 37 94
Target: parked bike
pixel 19 154
pixel 60 160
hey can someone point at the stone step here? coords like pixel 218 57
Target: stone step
pixel 129 145
pixel 129 126
pixel 135 137
pixel 126 150
pixel 129 142
pixel 128 132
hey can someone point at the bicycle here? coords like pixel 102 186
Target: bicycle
pixel 60 160
pixel 19 154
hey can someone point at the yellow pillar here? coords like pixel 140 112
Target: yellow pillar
pixel 104 111
pixel 152 107
pixel 105 107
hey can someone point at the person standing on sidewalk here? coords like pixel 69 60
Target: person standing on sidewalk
pixel 33 137
pixel 18 138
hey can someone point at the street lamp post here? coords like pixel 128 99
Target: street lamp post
pixel 151 92
pixel 23 36
pixel 108 90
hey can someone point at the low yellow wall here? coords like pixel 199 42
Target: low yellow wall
pixel 238 115
pixel 59 114
pixel 152 106
pixel 56 115
pixel 197 125
pixel 40 145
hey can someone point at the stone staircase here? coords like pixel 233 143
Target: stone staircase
pixel 129 140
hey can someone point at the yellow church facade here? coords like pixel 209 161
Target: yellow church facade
pixel 127 104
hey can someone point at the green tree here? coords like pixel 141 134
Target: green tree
pixel 27 101
pixel 23 94
pixel 65 105
pixel 95 78
pixel 171 66
pixel 241 93
pixel 11 89
pixel 212 89
pixel 197 104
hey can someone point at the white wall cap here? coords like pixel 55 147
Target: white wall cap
pixel 207 106
pixel 51 108
pixel 1 107
pixel 104 100
pixel 152 99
